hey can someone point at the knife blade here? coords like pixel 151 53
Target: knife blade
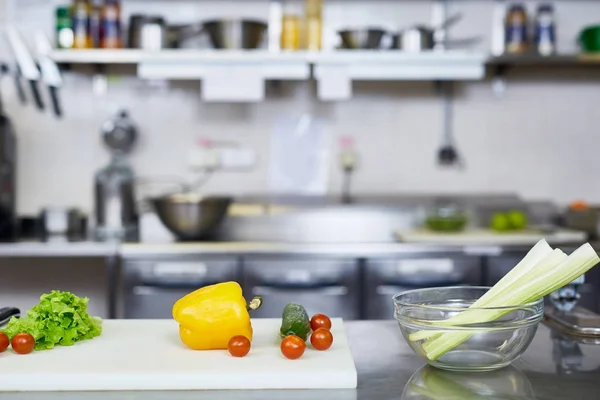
pixel 7 313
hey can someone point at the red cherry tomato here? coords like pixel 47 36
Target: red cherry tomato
pixel 321 339
pixel 320 321
pixel 238 346
pixel 4 342
pixel 23 343
pixel 292 347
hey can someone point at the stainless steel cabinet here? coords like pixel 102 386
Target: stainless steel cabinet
pixel 386 277
pixel 150 288
pixel 499 266
pixel 326 286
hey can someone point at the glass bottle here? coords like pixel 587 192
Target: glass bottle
pixel 517 40
pixel 313 24
pixel 545 30
pixel 110 25
pixel 64 28
pixel 80 16
pixel 290 26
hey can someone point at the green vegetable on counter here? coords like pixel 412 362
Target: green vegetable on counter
pixel 513 220
pixel 60 318
pixel 295 321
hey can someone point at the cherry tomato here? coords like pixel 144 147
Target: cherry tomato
pixel 320 321
pixel 238 346
pixel 22 343
pixel 4 342
pixel 321 339
pixel 292 347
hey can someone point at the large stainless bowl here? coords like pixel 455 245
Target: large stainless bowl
pixel 362 38
pixel 191 216
pixel 234 34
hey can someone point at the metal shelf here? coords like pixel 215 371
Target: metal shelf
pixel 334 70
pixel 559 60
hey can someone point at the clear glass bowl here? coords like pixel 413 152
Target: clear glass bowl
pixel 433 383
pixel 483 346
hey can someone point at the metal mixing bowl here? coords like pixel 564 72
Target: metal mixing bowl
pixel 362 38
pixel 234 34
pixel 191 216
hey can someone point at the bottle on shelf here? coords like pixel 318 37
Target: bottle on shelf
pixel 290 26
pixel 313 30
pixel 516 22
pixel 545 30
pixel 110 25
pixel 95 21
pixel 64 28
pixel 80 17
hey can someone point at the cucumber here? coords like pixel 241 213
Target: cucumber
pixel 294 321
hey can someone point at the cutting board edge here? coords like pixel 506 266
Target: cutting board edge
pixel 156 382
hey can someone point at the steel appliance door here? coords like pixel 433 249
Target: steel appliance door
pixel 387 277
pixel 151 288
pixel 321 286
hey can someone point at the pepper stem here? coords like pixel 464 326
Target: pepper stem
pixel 255 303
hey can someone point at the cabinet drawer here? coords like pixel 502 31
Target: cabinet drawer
pixel 387 277
pixel 324 286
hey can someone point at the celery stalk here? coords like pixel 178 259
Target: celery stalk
pixel 541 251
pixel 531 289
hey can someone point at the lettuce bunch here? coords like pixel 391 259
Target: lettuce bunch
pixel 60 318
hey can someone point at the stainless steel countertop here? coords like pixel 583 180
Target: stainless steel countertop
pixel 59 249
pixel 354 250
pixel 387 369
pixel 157 250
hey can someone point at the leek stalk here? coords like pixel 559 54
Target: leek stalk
pixel 538 282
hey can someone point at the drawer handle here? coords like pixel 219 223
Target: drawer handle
pixel 324 291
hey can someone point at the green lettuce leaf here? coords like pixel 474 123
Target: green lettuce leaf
pixel 60 318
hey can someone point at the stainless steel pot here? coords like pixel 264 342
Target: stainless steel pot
pixel 191 216
pixel 147 32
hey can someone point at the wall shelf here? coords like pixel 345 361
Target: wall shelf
pixel 558 60
pixel 246 71
pixel 335 71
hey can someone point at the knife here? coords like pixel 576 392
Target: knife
pixel 7 313
pixel 26 64
pixel 20 91
pixel 49 69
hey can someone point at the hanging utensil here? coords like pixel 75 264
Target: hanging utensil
pixel 447 154
pixel 26 63
pixel 50 73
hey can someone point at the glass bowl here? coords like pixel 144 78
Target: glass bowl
pixel 447 217
pixel 433 383
pixel 500 336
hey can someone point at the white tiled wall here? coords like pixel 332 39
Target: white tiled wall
pixel 539 140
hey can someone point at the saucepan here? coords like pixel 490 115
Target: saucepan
pixel 422 37
pixel 413 39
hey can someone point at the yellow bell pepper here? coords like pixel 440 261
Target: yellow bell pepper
pixel 210 316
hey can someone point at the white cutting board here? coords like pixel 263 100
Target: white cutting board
pixel 489 237
pixel 148 355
